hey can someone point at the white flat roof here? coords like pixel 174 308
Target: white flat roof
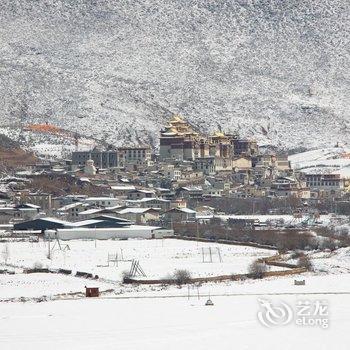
pixel 100 198
pixel 91 211
pixel 112 229
pixel 122 188
pixel 135 210
pixel 85 222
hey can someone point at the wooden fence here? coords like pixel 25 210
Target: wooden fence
pixel 220 278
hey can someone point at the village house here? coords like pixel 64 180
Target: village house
pixel 219 183
pixel 165 193
pixel 171 172
pixel 193 192
pixel 324 181
pixel 139 215
pixel 17 213
pixel 72 211
pixel 213 165
pixel 122 190
pixel 101 159
pixel 134 156
pixel 102 201
pixel 42 200
pixel 159 203
pixel 245 147
pixel 242 163
pixel 178 203
pixel 95 212
pixel 191 175
pixel 58 202
pixel 179 215
pixel 140 194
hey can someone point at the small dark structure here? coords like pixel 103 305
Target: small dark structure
pixel 92 292
pixel 209 302
pixel 84 274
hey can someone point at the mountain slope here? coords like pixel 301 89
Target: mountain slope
pixel 12 156
pixel 118 69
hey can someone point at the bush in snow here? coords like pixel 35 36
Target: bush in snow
pixel 257 269
pixel 125 275
pixel 305 261
pixel 182 276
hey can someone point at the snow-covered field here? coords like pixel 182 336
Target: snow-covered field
pixel 43 284
pixel 158 258
pixel 286 218
pixel 155 317
pixel 171 323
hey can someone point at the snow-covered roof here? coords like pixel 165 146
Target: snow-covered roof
pixel 29 205
pixel 113 218
pixel 184 210
pixel 99 210
pixel 112 229
pixel 136 210
pixel 90 199
pixel 145 191
pixel 149 200
pixel 70 206
pixel 193 188
pixel 91 211
pixel 57 221
pixel 85 222
pixel 123 188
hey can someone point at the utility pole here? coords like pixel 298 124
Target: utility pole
pixel 197 232
pixel 49 252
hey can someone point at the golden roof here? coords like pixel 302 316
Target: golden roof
pixel 219 134
pixel 176 119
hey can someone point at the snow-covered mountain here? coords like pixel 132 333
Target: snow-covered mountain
pixel 277 70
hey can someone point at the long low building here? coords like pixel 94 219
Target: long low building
pixel 100 227
pixel 132 231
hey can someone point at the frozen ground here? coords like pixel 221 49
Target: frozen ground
pixel 158 317
pixel 332 262
pixel 175 323
pixel 43 284
pixel 158 258
pixel 284 218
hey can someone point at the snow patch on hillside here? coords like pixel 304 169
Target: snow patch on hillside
pixel 326 160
